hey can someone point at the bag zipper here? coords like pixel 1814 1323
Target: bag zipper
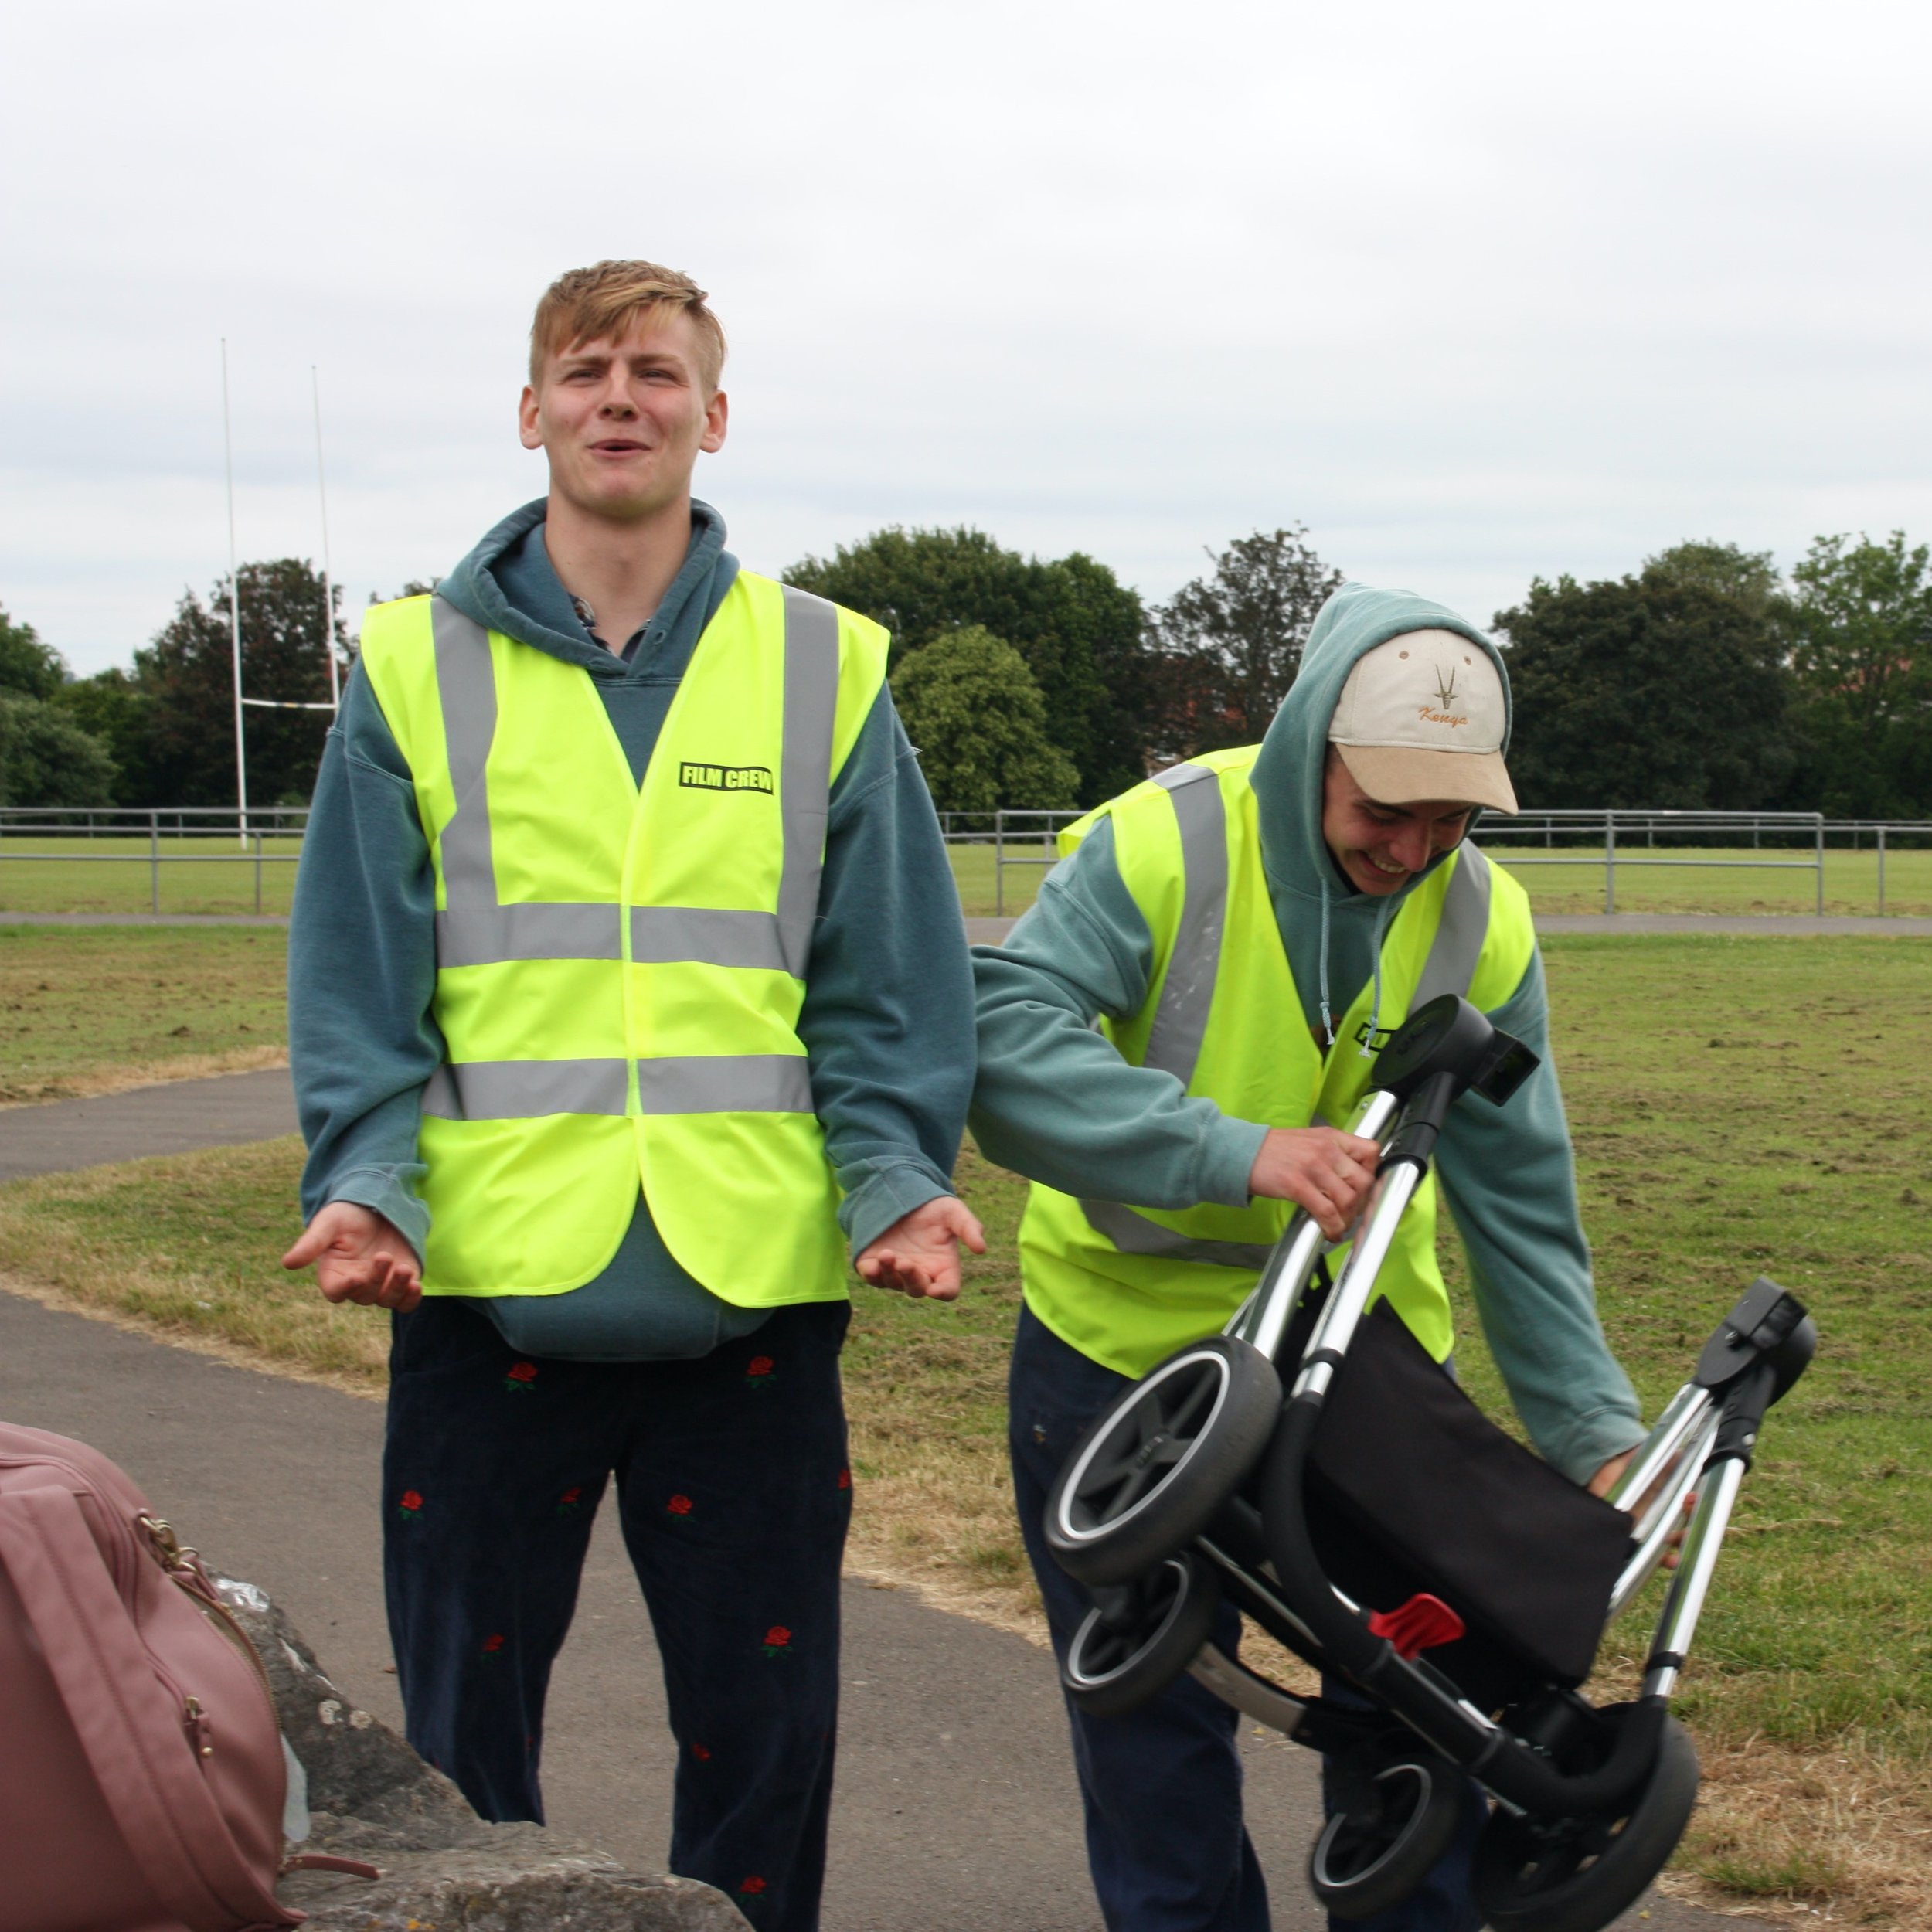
pixel 182 1567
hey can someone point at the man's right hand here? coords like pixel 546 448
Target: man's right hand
pixel 359 1256
pixel 1320 1169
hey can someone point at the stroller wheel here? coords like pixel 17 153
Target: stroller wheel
pixel 1127 1652
pixel 1153 1468
pixel 1574 1875
pixel 1398 1820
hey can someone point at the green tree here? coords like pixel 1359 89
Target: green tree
pixel 187 673
pixel 972 706
pixel 1229 643
pixel 1861 622
pixel 120 713
pixel 27 665
pixel 46 758
pixel 1651 689
pixel 1079 628
pixel 1750 578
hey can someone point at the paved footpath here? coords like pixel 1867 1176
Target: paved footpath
pixel 956 1810
pixel 175 1118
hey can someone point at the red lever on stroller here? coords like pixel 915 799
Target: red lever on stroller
pixel 1420 1624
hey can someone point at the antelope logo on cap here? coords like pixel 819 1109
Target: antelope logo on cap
pixel 1445 696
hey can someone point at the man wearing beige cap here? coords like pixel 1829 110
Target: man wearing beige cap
pixel 1199 987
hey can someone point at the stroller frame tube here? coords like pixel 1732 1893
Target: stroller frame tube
pixel 1335 1329
pixel 1685 1603
pixel 1683 1412
pixel 1263 1319
pixel 1654 1527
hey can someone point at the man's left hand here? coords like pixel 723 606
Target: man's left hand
pixel 919 1253
pixel 1606 1479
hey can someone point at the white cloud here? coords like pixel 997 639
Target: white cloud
pixel 1475 293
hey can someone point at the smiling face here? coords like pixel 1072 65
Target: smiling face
pixel 623 422
pixel 1379 847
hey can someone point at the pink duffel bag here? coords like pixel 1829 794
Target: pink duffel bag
pixel 142 1777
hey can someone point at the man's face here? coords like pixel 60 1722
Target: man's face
pixel 622 422
pixel 1381 847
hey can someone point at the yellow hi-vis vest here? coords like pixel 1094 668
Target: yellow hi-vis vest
pixel 1127 1285
pixel 620 968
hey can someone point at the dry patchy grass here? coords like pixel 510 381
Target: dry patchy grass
pixel 1737 1105
pixel 96 1009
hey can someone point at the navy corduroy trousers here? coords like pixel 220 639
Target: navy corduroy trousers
pixel 1161 1787
pixel 733 1494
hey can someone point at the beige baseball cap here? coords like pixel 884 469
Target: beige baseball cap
pixel 1423 717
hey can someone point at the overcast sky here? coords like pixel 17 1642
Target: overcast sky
pixel 1475 292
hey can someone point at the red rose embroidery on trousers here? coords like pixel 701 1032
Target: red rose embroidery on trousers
pixel 758 1371
pixel 568 1504
pixel 701 1754
pixel 409 1504
pixel 678 1506
pixel 844 1479
pixel 492 1644
pixel 520 1375
pixel 751 1887
pixel 778 1641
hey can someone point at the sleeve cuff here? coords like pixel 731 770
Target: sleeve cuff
pixel 1227 1159
pixel 382 1193
pixel 886 1195
pixel 1592 1441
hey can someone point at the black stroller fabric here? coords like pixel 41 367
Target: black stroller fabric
pixel 1411 1487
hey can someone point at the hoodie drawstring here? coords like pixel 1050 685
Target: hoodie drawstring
pixel 1375 998
pixel 1328 1025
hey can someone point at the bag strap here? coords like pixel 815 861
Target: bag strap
pixel 125 1719
pixel 328 1861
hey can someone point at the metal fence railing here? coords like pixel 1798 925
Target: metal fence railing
pixel 123 822
pixel 1790 830
pixel 1617 842
pixel 1032 832
pixel 148 826
pixel 1611 835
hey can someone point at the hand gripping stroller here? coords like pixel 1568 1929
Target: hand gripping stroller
pixel 1373 1515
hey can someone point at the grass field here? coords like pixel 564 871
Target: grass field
pixel 89 1009
pixel 1739 1106
pixel 1851 881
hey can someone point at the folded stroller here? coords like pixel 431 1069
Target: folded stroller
pixel 1377 1524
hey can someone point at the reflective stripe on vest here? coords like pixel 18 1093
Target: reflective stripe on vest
pixel 1187 993
pixel 682 1083
pixel 475 930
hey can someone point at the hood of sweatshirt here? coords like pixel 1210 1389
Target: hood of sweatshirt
pixel 506 584
pixel 1333 932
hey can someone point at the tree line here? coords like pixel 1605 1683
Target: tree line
pixel 1703 678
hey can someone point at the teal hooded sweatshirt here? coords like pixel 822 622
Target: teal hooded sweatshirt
pixel 1054 1101
pixel 887 1018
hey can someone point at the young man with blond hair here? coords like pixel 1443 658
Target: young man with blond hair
pixel 628 988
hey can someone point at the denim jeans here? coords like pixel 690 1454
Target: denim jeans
pixel 1161 1787
pixel 733 1495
